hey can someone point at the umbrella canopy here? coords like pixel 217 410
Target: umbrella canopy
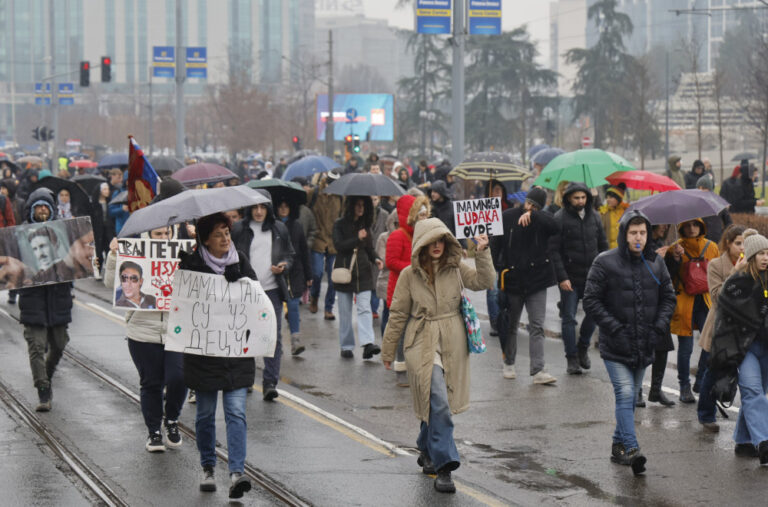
pixel 590 167
pixel 90 182
pixel 308 166
pixel 83 164
pixel 190 205
pixel 679 206
pixel 81 201
pixel 119 160
pixel 546 156
pixel 165 166
pixel 487 165
pixel 282 190
pixel 120 198
pixel 203 172
pixel 643 180
pixel 364 184
pixel 301 154
pixel 31 160
pixel 747 155
pixel 7 162
pixel 533 150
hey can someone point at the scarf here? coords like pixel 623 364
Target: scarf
pixel 219 264
pixel 65 209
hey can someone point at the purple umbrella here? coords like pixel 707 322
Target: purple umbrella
pixel 197 174
pixel 678 206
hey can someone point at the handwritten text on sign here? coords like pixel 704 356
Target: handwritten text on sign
pixel 211 317
pixel 478 216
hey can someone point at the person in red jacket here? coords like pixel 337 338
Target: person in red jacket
pixel 409 210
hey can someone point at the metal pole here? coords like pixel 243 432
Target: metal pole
pixel 179 85
pixel 457 97
pixel 54 94
pixel 666 111
pixel 12 63
pixel 329 128
pixel 151 129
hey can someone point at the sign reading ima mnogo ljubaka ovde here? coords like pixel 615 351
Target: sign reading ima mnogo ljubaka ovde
pixel 478 216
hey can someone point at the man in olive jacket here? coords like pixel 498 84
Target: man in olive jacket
pixel 327 209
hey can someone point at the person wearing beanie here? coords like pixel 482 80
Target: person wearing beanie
pixel 522 258
pixel 716 223
pixel 739 348
pixel 611 213
pixel 692 177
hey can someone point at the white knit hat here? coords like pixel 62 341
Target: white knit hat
pixel 754 242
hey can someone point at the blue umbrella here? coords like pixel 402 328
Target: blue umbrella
pixel 546 156
pixel 113 160
pixel 307 166
pixel 533 150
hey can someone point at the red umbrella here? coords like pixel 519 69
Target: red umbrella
pixel 83 164
pixel 204 172
pixel 643 180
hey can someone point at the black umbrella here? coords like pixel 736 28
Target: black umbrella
pixel 280 190
pixel 165 166
pixel 747 155
pixel 90 182
pixel 364 184
pixel 79 199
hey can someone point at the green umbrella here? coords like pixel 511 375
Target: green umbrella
pixel 590 167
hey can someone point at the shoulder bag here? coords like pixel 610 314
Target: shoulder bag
pixel 475 340
pixel 344 275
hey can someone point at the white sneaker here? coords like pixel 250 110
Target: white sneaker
pixel 543 378
pixel 509 371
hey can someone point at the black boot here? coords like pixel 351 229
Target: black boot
pixel 686 396
pixel 584 361
pixel 639 401
pixel 657 376
pixel 573 366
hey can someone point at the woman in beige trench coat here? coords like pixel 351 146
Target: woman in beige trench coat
pixel 426 303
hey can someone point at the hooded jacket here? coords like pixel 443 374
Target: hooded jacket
pixel 743 193
pixel 327 209
pixel 430 316
pixel 675 172
pixel 382 281
pixel 346 240
pixel 398 252
pixel 631 299
pixel 282 249
pixel 579 240
pixel 730 187
pixel 44 305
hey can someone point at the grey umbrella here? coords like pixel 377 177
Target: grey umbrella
pixel 364 184
pixel 747 155
pixel 190 205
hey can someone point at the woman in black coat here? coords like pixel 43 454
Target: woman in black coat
pixel 216 254
pixel 353 240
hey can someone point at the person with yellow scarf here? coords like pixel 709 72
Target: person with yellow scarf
pixel 692 309
pixel 611 212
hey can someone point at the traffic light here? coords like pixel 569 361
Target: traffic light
pixel 347 147
pixel 36 133
pixel 50 135
pixel 44 134
pixel 356 144
pixel 296 143
pixel 106 69
pixel 85 73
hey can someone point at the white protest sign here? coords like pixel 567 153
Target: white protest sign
pixel 211 317
pixel 144 273
pixel 478 216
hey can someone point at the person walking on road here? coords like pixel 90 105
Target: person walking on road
pixel 674 170
pixel 426 311
pixel 687 260
pixel 741 193
pixel 266 245
pixel 611 213
pixel 740 347
pixel 45 310
pixel 327 209
pixel 718 271
pixel 580 239
pixel 216 254
pixel 629 294
pixel 696 172
pixel 353 241
pixel 161 373
pixel 526 273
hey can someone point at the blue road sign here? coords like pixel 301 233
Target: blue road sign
pixel 43 94
pixel 197 62
pixel 351 114
pixel 163 61
pixel 485 17
pixel 433 16
pixel 66 94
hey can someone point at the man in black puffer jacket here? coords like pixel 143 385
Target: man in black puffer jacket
pixel 45 310
pixel 581 239
pixel 629 294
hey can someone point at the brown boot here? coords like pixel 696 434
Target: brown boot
pixel 312 304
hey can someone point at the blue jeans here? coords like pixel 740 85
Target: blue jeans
pixel 272 364
pixel 234 416
pixel 158 369
pixel 384 319
pixel 364 319
pixel 320 260
pixel 375 302
pixel 706 408
pixel 626 382
pixel 685 343
pixel 293 314
pixel 569 302
pixel 436 438
pixel 492 300
pixel 752 424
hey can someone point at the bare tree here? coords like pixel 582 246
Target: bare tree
pixel 692 50
pixel 719 85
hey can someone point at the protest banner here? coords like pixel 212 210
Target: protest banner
pixel 144 272
pixel 478 216
pixel 211 317
pixel 45 253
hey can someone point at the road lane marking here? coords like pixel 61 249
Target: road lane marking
pixel 114 317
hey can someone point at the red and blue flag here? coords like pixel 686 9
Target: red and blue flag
pixel 142 178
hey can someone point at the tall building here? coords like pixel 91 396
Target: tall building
pixel 567 30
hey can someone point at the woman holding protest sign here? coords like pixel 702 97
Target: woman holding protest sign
pixel 216 254
pixel 158 369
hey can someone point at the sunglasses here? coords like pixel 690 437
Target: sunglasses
pixel 132 278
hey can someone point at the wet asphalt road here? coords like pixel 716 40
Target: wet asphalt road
pixel 520 444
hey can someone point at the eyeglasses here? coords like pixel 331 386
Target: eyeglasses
pixel 132 278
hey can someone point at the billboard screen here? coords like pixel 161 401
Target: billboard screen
pixel 363 114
